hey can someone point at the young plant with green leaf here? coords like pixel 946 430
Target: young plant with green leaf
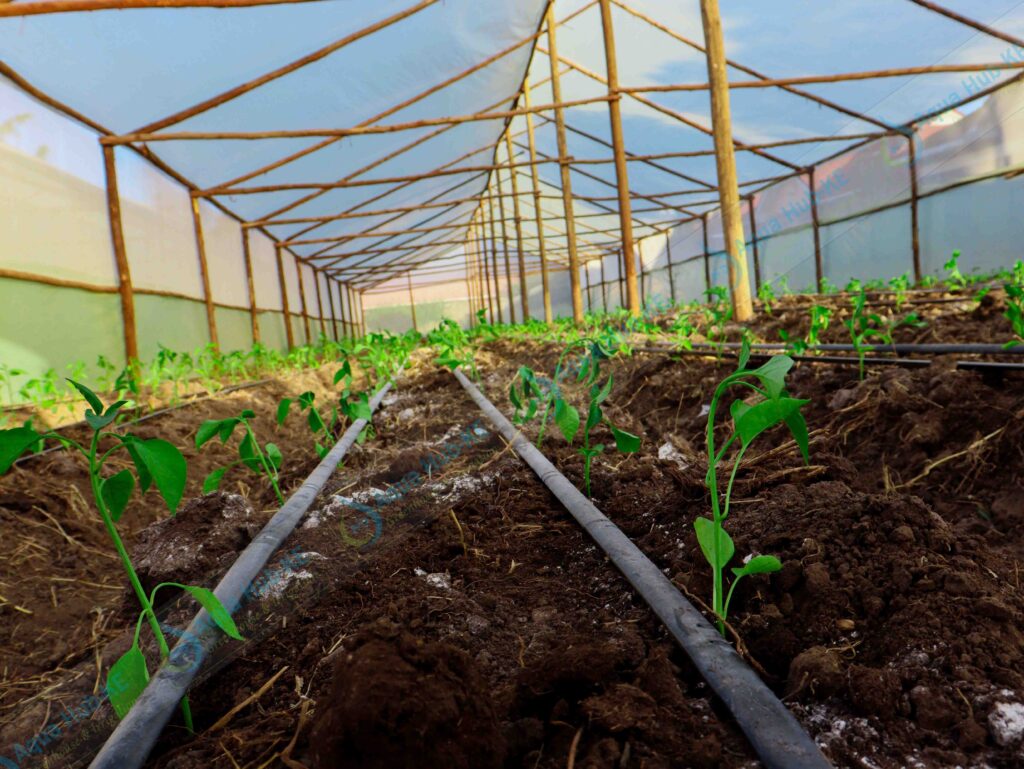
pixel 767 296
pixel 821 316
pixel 264 461
pixel 866 328
pixel 157 463
pixel 954 278
pixel 772 406
pixel 323 430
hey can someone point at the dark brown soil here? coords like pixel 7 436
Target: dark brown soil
pixel 482 629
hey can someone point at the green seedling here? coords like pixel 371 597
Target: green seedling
pixel 900 287
pixel 1015 312
pixel 265 461
pixel 767 296
pixel 683 330
pixel 826 286
pixel 772 406
pixel 44 392
pixel 7 377
pixel 867 327
pixel 821 316
pixel 717 313
pixel 157 463
pixel 954 278
pixel 321 429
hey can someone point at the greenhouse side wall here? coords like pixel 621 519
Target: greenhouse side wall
pixel 59 301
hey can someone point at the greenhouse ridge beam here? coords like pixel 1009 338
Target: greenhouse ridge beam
pixel 9 8
pixel 991 31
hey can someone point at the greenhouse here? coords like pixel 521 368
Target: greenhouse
pixel 486 384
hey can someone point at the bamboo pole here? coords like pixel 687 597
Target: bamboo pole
pixel 621 281
pixel 586 280
pixel 504 248
pixel 12 9
pixel 412 303
pixel 124 275
pixel 915 231
pixel 618 147
pixel 247 258
pixel 668 261
pixel 707 254
pixel 494 256
pixel 604 288
pixel 934 8
pixel 319 303
pixel 133 138
pixel 289 334
pixel 302 298
pixel 204 274
pixel 753 243
pixel 725 162
pixel 531 139
pixel 845 77
pixel 487 270
pixel 523 289
pixel 819 267
pixel 563 161
pixel 330 305
pixel 362 311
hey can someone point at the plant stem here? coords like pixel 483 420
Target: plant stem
pixel 267 468
pixel 126 562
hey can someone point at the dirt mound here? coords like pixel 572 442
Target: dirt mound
pixel 396 702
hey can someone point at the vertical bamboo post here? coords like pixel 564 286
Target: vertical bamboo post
pixel 819 268
pixel 643 274
pixel 362 310
pixel 494 255
pixel 330 306
pixel 342 312
pixel 563 164
pixel 302 299
pixel 504 247
pixel 468 260
pixel 542 246
pixel 412 303
pixel 288 333
pixel 622 282
pixel 524 297
pixel 753 243
pixel 707 254
pixel 487 270
pixel 668 261
pixel 319 303
pixel 619 150
pixel 351 294
pixel 247 258
pixel 604 287
pixel 725 161
pixel 586 287
pixel 204 274
pixel 915 231
pixel 124 275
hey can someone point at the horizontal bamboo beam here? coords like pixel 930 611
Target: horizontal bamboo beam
pixel 340 132
pixel 8 9
pixel 845 77
pixel 991 31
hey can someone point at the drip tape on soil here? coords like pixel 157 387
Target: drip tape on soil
pixel 773 731
pixel 133 739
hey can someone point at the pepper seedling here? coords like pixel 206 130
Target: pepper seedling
pixel 262 461
pixel 773 407
pixel 820 318
pixel 158 464
pixel 317 425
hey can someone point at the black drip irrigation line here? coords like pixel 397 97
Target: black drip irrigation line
pixel 133 739
pixel 773 731
pixel 844 360
pixel 150 415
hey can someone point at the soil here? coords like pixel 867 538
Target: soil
pixel 476 626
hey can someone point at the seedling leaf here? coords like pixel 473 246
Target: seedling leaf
pixel 167 467
pixel 625 442
pixel 215 609
pixel 212 482
pixel 247 452
pixel 754 420
pixel 282 410
pixel 705 531
pixel 759 564
pixel 116 491
pixel 13 443
pixel 274 455
pixel 567 418
pixel 126 680
pixel 89 395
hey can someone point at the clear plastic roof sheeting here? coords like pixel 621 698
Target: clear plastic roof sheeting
pixel 128 70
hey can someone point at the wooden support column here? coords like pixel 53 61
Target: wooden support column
pixel 668 261
pixel 725 161
pixel 247 256
pixel 586 287
pixel 302 299
pixel 707 254
pixel 622 282
pixel 819 268
pixel 604 287
pixel 124 275
pixel 204 274
pixel 353 322
pixel 362 310
pixel 915 231
pixel 643 276
pixel 504 248
pixel 412 303
pixel 487 268
pixel 753 244
pixel 289 334
pixel 523 290
pixel 563 163
pixel 319 303
pixel 330 306
pixel 633 296
pixel 494 255
pixel 542 245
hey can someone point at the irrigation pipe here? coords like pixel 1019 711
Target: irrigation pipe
pixel 144 417
pixel 848 360
pixel 775 734
pixel 898 349
pixel 133 739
